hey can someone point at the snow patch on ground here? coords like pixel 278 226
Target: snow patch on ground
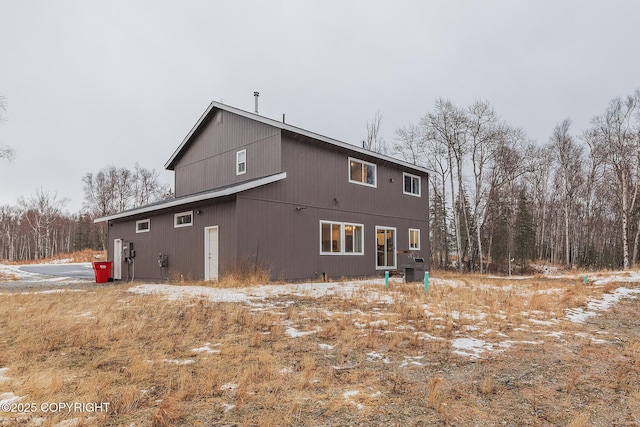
pixel 179 362
pixel 580 315
pixel 3 371
pixel 353 393
pixel 8 397
pixel 326 346
pixel 630 276
pixel 373 356
pixel 294 333
pixel 470 347
pixel 172 292
pixel 231 387
pixel 206 348
pixel 364 289
pixel 227 407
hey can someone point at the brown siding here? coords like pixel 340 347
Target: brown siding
pixel 210 160
pixel 278 236
pixel 184 245
pixel 262 225
pixel 273 231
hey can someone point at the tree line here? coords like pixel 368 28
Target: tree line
pixel 39 226
pixel 499 201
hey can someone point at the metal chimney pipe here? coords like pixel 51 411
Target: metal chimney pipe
pixel 256 95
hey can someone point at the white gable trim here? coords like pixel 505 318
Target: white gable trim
pixel 284 126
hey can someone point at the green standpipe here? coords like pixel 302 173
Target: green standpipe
pixel 386 280
pixel 584 281
pixel 426 281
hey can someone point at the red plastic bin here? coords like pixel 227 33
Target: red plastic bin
pixel 102 270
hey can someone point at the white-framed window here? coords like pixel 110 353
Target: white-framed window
pixel 341 238
pixel 386 257
pixel 411 184
pixel 183 219
pixel 414 239
pixel 241 162
pixel 143 226
pixel 361 172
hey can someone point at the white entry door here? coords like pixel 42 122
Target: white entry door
pixel 117 259
pixel 211 253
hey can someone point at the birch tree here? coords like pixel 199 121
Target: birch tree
pixel 482 135
pixel 114 189
pixel 569 175
pixel 41 211
pixel 445 129
pixel 616 135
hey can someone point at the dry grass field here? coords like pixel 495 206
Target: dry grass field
pixel 86 255
pixel 473 351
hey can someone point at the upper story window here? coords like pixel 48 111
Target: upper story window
pixel 411 184
pixel 361 172
pixel 241 162
pixel 183 219
pixel 143 226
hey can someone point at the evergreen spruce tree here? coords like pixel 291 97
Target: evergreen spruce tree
pixel 524 233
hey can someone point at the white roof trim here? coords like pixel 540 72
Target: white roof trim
pixel 227 191
pixel 289 128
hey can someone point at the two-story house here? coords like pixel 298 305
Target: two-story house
pixel 249 189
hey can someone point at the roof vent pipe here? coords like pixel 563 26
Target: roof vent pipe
pixel 256 95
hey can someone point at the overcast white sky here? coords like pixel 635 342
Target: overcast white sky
pixel 90 84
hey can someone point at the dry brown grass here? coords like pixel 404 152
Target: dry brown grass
pixel 241 275
pixel 363 360
pixel 86 255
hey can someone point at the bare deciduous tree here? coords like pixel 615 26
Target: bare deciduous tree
pixel 113 189
pixel 147 187
pixel 374 140
pixel 569 176
pixel 617 137
pixel 410 145
pixel 483 131
pixel 6 152
pixel 41 211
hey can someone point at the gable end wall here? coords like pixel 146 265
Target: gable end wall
pixel 210 159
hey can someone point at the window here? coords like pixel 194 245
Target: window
pixel 338 238
pixel 361 172
pixel 183 219
pixel 353 239
pixel 241 162
pixel 411 184
pixel 386 248
pixel 331 238
pixel 143 226
pixel 414 239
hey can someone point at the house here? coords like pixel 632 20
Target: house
pixel 252 190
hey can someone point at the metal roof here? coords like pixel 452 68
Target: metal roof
pixel 170 164
pixel 198 197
